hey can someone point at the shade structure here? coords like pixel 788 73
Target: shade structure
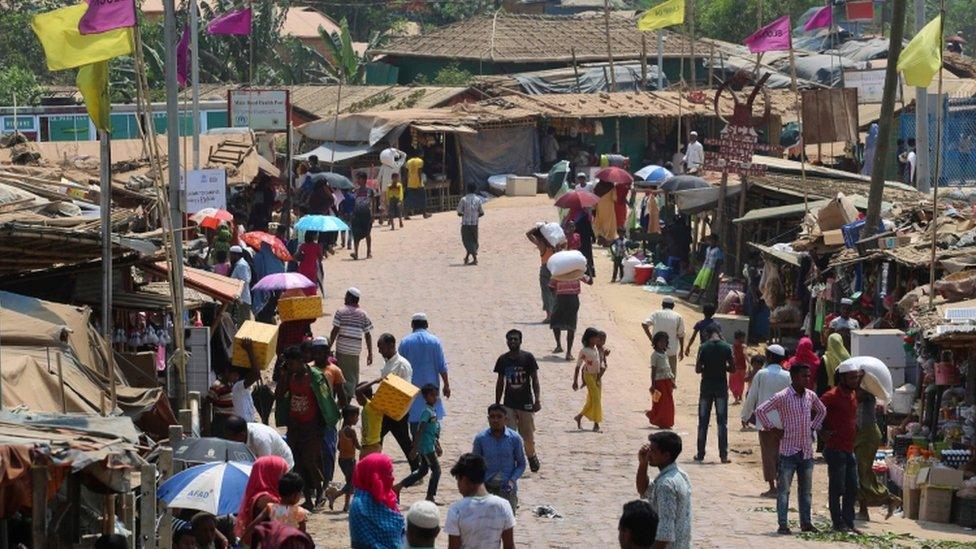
pixel 558 174
pixel 334 180
pixel 653 173
pixel 284 281
pixel 575 200
pixel 684 183
pixel 216 488
pixel 222 215
pixel 321 224
pixel 615 175
pixel 254 239
pixel 212 450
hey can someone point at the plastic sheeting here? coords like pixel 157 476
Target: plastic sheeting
pixel 822 69
pixel 498 150
pixel 593 80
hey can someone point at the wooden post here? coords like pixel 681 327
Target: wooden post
pixel 147 507
pixel 166 465
pixel 4 535
pixel 691 31
pixel 457 151
pixel 644 59
pixel 72 519
pixel 572 51
pixel 185 417
pixel 206 418
pixel 64 406
pixel 606 29
pixel 738 229
pixel 39 507
pixel 939 108
pixel 175 437
pixel 129 517
pixel 108 521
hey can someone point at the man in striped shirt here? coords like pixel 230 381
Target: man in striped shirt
pixel 801 413
pixel 470 211
pixel 350 326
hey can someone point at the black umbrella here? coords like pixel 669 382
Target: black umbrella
pixel 684 183
pixel 209 449
pixel 334 180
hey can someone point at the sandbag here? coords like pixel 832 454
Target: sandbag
pixel 388 157
pixel 957 286
pixel 570 276
pixel 877 378
pixel 630 265
pixel 553 234
pixel 565 262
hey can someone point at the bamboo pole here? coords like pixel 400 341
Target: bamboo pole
pixel 939 108
pixel 606 29
pixel 799 118
pixel 39 480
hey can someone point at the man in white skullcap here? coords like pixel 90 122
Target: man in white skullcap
pixel 766 383
pixel 839 431
pixel 350 326
pixel 423 525
pixel 241 271
pixel 694 155
pixel 844 323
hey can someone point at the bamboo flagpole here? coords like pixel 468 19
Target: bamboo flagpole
pixel 939 108
pixel 799 121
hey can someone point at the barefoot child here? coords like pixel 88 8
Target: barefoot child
pixel 348 445
pixel 426 444
pixel 591 361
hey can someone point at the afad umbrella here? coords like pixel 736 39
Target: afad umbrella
pixel 209 449
pixel 558 174
pixel 284 281
pixel 615 175
pixel 321 224
pixel 577 199
pixel 334 180
pixel 215 488
pixel 254 239
pixel 684 183
pixel 653 174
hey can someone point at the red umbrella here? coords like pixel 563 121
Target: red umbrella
pixel 577 200
pixel 617 176
pixel 254 239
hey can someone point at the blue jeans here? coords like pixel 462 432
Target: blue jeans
pixel 842 486
pixel 721 401
pixel 329 440
pixel 804 473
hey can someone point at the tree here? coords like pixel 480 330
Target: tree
pixel 342 62
pixel 19 81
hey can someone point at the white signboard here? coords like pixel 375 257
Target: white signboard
pixel 258 109
pixel 869 84
pixel 205 189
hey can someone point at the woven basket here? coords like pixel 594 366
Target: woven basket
pixel 300 308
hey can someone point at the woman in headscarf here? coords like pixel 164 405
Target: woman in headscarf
pixel 836 353
pixel 870 144
pixel 805 355
pixel 375 521
pixel 870 491
pixel 261 489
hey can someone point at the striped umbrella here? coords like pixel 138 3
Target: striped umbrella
pixel 653 174
pixel 216 488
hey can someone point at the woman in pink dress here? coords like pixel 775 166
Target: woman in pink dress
pixel 310 260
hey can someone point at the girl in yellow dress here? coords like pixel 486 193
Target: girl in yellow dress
pixel 592 361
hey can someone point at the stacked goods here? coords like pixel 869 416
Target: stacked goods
pixel 553 233
pixel 300 308
pixel 394 396
pixel 264 342
pixel 567 265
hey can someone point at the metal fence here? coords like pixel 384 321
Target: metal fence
pixel 958 140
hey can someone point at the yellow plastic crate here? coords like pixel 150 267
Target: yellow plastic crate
pixel 264 338
pixel 394 396
pixel 300 308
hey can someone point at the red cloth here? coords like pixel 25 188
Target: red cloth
pixel 374 474
pixel 304 406
pixel 311 253
pixel 661 413
pixel 573 241
pixel 737 379
pixel 281 536
pixel 263 482
pixel 620 210
pixel 841 421
pixel 805 355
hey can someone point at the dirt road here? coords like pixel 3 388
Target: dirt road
pixel 585 476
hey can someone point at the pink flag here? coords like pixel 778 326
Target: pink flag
pixel 106 15
pixel 820 20
pixel 233 22
pixel 773 37
pixel 183 57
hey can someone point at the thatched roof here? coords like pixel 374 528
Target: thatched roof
pixel 510 38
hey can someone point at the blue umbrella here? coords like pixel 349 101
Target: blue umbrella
pixel 216 488
pixel 321 224
pixel 653 174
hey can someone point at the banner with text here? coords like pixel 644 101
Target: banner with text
pixel 265 110
pixel 204 189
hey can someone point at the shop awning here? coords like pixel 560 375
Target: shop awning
pixel 790 210
pixel 342 152
pixel 219 287
pixel 431 128
pixel 786 257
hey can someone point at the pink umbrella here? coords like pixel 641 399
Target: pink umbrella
pixel 284 281
pixel 203 214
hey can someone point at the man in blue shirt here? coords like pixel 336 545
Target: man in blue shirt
pixel 423 351
pixel 504 455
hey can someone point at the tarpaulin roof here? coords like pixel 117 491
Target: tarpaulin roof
pixel 342 152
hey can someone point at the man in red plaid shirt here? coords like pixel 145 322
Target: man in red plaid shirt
pixel 802 413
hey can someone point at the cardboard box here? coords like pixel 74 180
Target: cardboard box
pixel 520 186
pixel 394 396
pixel 939 476
pixel 834 237
pixel 892 242
pixel 300 308
pixel 935 504
pixel 838 212
pixel 264 338
pixel 910 499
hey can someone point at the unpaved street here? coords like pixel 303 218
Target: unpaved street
pixel 585 476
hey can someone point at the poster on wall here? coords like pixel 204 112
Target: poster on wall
pixel 260 110
pixel 204 189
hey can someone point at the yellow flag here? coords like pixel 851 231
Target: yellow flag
pixel 665 14
pixel 66 48
pixel 922 57
pixel 92 82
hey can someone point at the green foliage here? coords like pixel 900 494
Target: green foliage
pixel 452 75
pixel 342 62
pixel 20 81
pixel 368 17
